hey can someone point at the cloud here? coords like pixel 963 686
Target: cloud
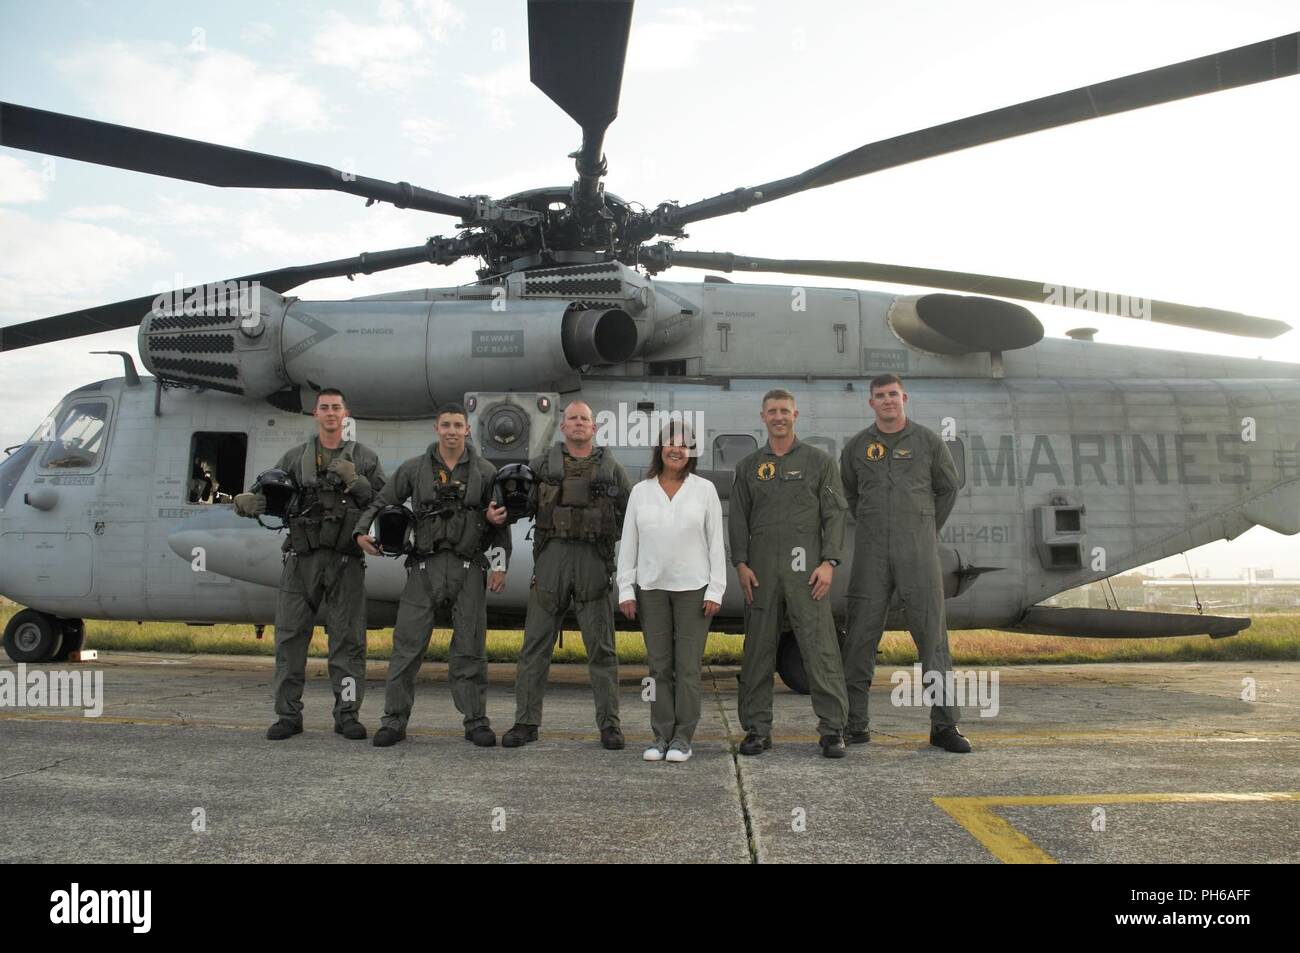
pixel 395 51
pixel 423 132
pixel 51 267
pixel 211 94
pixel 96 213
pixel 257 33
pixel 675 41
pixel 498 90
pixel 19 182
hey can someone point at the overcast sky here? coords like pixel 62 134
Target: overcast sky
pixel 1193 202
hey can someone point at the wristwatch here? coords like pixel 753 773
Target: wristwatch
pixel 834 563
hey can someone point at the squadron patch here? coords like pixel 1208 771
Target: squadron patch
pixel 875 451
pixel 442 476
pixel 766 470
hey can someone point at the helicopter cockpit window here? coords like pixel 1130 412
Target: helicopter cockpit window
pixel 216 467
pixel 730 448
pixel 77 436
pixel 11 470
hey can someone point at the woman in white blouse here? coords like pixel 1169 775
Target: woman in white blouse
pixel 671 563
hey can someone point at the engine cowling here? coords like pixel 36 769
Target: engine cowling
pixel 393 358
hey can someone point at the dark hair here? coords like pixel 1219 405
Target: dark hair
pixel 328 391
pixel 880 380
pixel 674 428
pixel 451 407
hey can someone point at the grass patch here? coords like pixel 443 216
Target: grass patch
pixel 1271 637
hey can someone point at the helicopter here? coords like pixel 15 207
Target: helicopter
pixel 117 507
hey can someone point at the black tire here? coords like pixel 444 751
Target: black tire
pixel 74 637
pixel 33 636
pixel 789 664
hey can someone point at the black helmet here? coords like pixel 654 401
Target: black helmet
pixel 393 529
pixel 513 489
pixel 280 491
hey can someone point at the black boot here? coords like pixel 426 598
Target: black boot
pixel 386 737
pixel 352 730
pixel 755 744
pixel 833 746
pixel 612 738
pixel 483 736
pixel 949 739
pixel 283 729
pixel 518 736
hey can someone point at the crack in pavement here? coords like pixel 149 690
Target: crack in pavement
pixel 46 767
pixel 751 833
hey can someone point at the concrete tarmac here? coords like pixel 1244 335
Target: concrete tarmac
pixel 1161 762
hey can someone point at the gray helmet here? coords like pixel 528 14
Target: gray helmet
pixel 394 530
pixel 513 489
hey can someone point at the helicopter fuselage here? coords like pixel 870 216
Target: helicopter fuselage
pixel 1079 460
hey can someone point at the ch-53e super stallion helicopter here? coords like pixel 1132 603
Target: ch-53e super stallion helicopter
pixel 116 501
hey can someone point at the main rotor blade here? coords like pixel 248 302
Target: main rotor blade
pixel 1246 65
pixel 125 147
pixel 576 52
pixel 1037 292
pixel 125 314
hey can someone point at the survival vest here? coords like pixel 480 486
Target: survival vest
pixel 325 513
pixel 451 515
pixel 583 504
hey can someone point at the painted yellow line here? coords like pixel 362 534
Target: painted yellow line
pixel 996 834
pixel 1010 846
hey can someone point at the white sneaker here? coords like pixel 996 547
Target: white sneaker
pixel 678 754
pixel 653 753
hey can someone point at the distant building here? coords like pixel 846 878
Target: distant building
pixel 1223 596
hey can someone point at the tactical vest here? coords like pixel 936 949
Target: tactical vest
pixel 450 515
pixel 583 506
pixel 325 513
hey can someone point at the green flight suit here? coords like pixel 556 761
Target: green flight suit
pixel 446 576
pixel 577 570
pixel 324 572
pixel 787 516
pixel 901 488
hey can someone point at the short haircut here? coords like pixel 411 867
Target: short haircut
pixel 672 430
pixel 564 411
pixel 779 393
pixel 880 380
pixel 329 391
pixel 451 407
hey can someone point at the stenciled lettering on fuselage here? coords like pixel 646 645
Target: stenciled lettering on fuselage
pixel 1097 459
pixel 1108 459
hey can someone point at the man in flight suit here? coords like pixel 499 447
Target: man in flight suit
pixel 901 485
pixel 787 531
pixel 323 568
pixel 457 526
pixel 582 495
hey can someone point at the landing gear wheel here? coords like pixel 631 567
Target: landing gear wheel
pixel 33 636
pixel 74 637
pixel 789 664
